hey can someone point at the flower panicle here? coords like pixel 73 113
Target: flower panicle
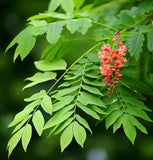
pixel 111 62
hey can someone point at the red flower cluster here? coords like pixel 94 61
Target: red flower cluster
pixel 112 60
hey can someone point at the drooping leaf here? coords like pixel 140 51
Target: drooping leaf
pixel 36 96
pixel 79 133
pixel 88 111
pixel 66 91
pixel 26 136
pixel 20 116
pixel 38 121
pixel 14 141
pixel 137 112
pixel 83 122
pixel 134 84
pixel 22 123
pixel 129 129
pixel 46 104
pixel 135 45
pixel 40 78
pixel 110 119
pixel 66 137
pixel 63 102
pixel 42 65
pixel 136 123
pixel 59 117
pixel 59 128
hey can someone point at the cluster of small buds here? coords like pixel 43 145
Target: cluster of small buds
pixel 112 60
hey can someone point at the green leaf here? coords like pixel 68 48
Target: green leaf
pixel 135 102
pixel 136 123
pixel 137 112
pixel 26 136
pixel 40 78
pixel 52 54
pixel 97 109
pixel 86 98
pixel 22 123
pixel 93 82
pixel 91 89
pixel 150 40
pixel 84 25
pixel 42 65
pixel 25 41
pixel 63 102
pixel 17 53
pixel 83 122
pixel 66 137
pixel 118 123
pixel 66 91
pixel 78 4
pixel 59 117
pixel 36 96
pixel 72 26
pixel 33 104
pixel 46 104
pixel 14 141
pixel 92 74
pixel 134 84
pixel 126 19
pixel 64 49
pixel 129 129
pixel 67 5
pixel 79 133
pixel 20 116
pixel 70 82
pixel 135 45
pixel 61 127
pixel 88 111
pixel 110 119
pixel 38 121
pixel 39 16
pixel 54 32
pixel 114 106
pixel 53 5
pixel 46 51
pixel 12 43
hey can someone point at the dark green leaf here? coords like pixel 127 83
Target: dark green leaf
pixel 88 111
pixel 150 40
pixel 135 45
pixel 110 119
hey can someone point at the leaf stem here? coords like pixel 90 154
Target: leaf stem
pixel 72 66
pixel 105 25
pixel 120 99
pixel 134 24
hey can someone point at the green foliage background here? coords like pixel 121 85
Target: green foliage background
pixel 117 146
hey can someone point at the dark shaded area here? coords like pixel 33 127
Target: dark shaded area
pixel 102 145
